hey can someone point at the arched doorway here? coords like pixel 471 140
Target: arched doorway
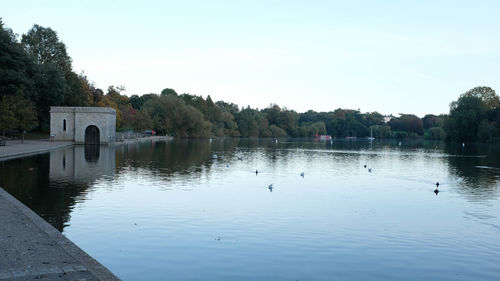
pixel 92 135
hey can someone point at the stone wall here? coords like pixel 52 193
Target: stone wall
pixel 78 119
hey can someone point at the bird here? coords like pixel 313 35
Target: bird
pixel 302 174
pixel 271 187
pixel 365 166
pixel 370 170
pixel 256 172
pixel 436 191
pixel 240 158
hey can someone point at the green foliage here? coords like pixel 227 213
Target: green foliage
pixel 171 115
pixel 431 120
pixel 408 123
pixel 44 47
pixel 486 94
pixel 465 116
pixel 168 91
pixel 25 114
pixel 347 123
pixel 7 114
pixel 436 133
pixel 381 131
pixel 79 91
pixel 277 132
pixel 399 134
pixel 17 112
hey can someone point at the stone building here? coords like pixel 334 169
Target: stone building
pixel 83 125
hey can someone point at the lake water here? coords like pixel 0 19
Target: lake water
pixel 168 211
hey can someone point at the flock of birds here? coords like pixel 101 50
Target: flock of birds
pixel 270 187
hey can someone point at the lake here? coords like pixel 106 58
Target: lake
pixel 169 211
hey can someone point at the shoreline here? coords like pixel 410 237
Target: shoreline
pixel 31 248
pixel 15 149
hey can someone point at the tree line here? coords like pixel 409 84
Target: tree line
pixel 36 73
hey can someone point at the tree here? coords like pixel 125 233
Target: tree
pixel 79 90
pixel 7 114
pixel 381 131
pixel 408 123
pixel 465 116
pixel 43 45
pixel 168 91
pixel 16 67
pixel 277 132
pixel 486 94
pixel 142 121
pixel 51 87
pixel 25 115
pixel 437 133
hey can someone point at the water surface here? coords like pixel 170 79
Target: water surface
pixel 168 211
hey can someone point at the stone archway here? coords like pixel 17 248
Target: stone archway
pixel 92 135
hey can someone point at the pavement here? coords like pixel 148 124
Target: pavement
pixel 32 249
pixel 14 148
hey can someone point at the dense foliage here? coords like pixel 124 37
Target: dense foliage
pixel 36 73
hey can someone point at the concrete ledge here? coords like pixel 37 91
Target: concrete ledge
pixel 30 248
pixel 14 149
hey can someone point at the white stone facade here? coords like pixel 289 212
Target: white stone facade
pixel 70 123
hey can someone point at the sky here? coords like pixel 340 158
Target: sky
pixel 412 57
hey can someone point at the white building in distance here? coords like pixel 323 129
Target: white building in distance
pixel 83 125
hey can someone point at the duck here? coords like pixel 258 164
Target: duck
pixel 271 187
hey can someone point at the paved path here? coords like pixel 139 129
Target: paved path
pixel 15 148
pixel 31 249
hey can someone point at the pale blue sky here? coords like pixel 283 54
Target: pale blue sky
pixel 387 56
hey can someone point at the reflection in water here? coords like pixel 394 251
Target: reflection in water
pixel 92 152
pixel 477 169
pixel 168 203
pixel 50 183
pixel 81 164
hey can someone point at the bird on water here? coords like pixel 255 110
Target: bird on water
pixel 436 191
